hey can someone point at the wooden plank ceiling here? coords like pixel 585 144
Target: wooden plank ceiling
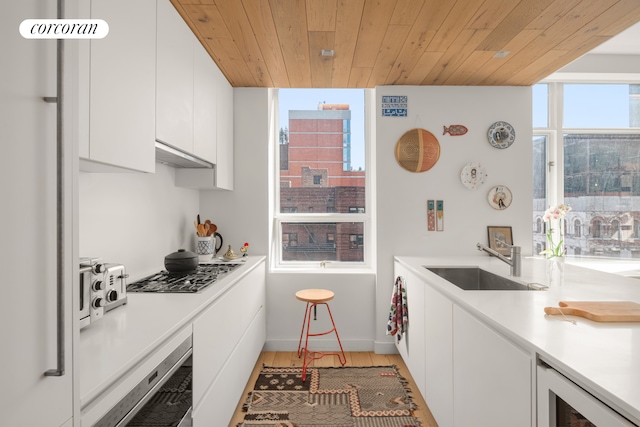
pixel 278 43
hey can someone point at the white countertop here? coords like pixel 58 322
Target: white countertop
pixel 128 334
pixel 602 357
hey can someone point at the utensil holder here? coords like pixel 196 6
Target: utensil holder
pixel 204 248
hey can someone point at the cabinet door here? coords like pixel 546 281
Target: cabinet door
pixel 218 405
pixel 413 340
pixel 438 326
pixel 204 104
pixel 28 180
pixel 492 377
pixel 218 330
pixel 174 79
pixel 122 85
pixel 225 158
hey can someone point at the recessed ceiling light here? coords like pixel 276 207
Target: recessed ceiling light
pixel 326 52
pixel 501 53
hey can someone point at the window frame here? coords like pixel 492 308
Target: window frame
pixel 555 133
pixel 367 218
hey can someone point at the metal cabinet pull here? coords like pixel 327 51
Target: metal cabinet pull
pixel 60 262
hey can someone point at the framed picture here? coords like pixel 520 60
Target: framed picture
pixel 498 236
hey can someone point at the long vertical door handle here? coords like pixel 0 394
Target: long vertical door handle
pixel 60 217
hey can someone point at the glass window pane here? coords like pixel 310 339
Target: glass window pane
pixel 540 93
pixel 601 106
pixel 601 184
pixel 325 241
pixel 322 149
pixel 539 192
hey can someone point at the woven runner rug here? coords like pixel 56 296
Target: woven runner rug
pixel 370 396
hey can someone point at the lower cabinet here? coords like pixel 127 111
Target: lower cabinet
pixel 468 374
pixel 412 344
pixel 491 377
pixel 227 340
pixel 438 330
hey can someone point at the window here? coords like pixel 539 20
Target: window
pixel 322 179
pixel 595 130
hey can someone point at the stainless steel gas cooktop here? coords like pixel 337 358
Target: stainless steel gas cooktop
pixel 191 282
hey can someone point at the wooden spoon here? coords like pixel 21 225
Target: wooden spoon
pixel 212 229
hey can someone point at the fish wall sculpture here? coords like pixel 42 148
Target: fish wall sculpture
pixel 455 130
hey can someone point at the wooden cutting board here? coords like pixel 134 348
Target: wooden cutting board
pixel 599 311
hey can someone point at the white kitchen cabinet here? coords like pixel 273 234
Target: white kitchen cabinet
pixel 225 135
pixel 227 340
pixel 204 104
pixel 412 344
pixel 438 362
pixel 220 401
pixel 187 88
pixel 221 177
pixel 492 378
pixel 28 179
pixel 174 79
pixel 121 95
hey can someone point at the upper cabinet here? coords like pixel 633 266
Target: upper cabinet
pixel 121 95
pixel 186 88
pixel 151 79
pixel 174 79
pixel 204 104
pixel 224 167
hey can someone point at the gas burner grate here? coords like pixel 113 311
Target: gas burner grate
pixel 192 282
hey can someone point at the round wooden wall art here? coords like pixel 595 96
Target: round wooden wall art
pixel 417 150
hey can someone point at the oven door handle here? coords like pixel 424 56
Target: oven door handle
pixel 60 218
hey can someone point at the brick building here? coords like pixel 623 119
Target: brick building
pixel 316 177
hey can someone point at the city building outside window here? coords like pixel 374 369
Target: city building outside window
pixel 594 129
pixel 321 180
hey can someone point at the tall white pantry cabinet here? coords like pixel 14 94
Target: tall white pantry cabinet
pixel 29 233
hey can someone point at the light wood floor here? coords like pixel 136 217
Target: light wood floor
pixel 271 358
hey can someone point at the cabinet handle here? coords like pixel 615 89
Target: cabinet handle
pixel 60 261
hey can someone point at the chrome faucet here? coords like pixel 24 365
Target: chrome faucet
pixel 514 262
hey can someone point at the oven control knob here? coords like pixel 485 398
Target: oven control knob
pixel 112 296
pixel 98 285
pixel 98 302
pixel 99 268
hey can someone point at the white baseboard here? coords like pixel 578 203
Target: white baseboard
pixel 385 347
pixel 320 345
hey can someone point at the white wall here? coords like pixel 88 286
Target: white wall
pixel 135 219
pixel 402 195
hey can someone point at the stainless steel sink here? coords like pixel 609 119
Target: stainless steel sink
pixel 477 279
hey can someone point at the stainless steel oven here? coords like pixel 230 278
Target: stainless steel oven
pixel 562 403
pixel 162 398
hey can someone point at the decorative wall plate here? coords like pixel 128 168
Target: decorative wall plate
pixel 499 197
pixel 417 150
pixel 473 175
pixel 501 135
